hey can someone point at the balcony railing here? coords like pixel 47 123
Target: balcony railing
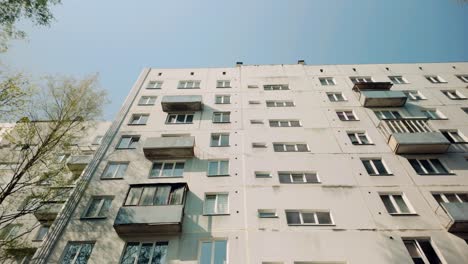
pixel 454 216
pixel 48 211
pixel 77 163
pixel 169 147
pixel 378 94
pixel 176 103
pixel 412 136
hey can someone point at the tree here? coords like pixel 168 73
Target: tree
pixel 12 11
pixel 53 119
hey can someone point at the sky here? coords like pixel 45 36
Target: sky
pixel 117 39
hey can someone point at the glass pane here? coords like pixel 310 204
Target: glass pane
pixel 177 195
pixel 451 198
pixel 147 196
pixel 429 252
pixel 302 147
pixel 206 250
pixel 93 207
pixel 180 118
pixel 414 163
pixel 439 167
pixel 171 119
pixel 224 140
pixel 341 115
pixel 105 207
pixel 124 142
pixel 162 195
pixel 297 178
pixel 189 119
pixel 363 139
pixel 388 204
pixel 84 254
pixel 224 169
pixel 324 218
pixel 156 169
pixel 167 169
pixel 215 140
pixel 353 139
pixel 110 171
pixel 295 124
pixel 293 218
pixel 222 206
pixel 311 177
pixel 216 117
pixel 290 148
pixel 213 168
pixel 220 248
pixel 438 198
pixel 130 254
pixel 368 166
pixel 145 253
pixel 401 204
pixel 133 196
pixel 160 252
pixel 71 251
pixel 412 249
pixel 284 178
pixel 179 169
pixel 227 99
pixel 308 218
pixel 463 197
pixel 122 169
pixel 278 147
pixel 426 165
pixel 380 167
pixel 210 204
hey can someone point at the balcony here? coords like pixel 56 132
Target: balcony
pixel 413 136
pixel 150 217
pixel 378 94
pixel 178 103
pixel 169 147
pixel 78 163
pixel 48 211
pixel 454 216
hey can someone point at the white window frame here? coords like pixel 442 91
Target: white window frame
pixel 304 178
pixel 398 79
pixel 336 97
pixel 388 114
pixel 446 172
pixel 216 204
pixel 223 84
pixel 138 119
pixel 361 79
pixel 184 84
pixel 220 139
pixel 416 241
pixel 259 145
pixel 347 115
pixel 395 204
pixel 374 167
pixel 263 174
pixel 463 77
pixel 275 87
pixel 435 79
pixel 81 244
pixel 222 117
pixel 296 149
pixel 154 85
pixel 414 95
pixel 212 249
pixel 100 206
pixel 284 122
pixel 186 115
pixel 357 135
pixel 119 165
pixel 301 218
pixel 147 100
pixel 453 134
pixel 267 213
pixel 256 122
pixel 139 248
pixel 132 144
pixel 218 172
pixel 446 200
pixel 164 163
pixel 453 95
pixel 327 81
pixel 224 99
pixel 280 103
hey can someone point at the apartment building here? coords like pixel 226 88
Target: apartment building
pixel 270 164
pixel 20 238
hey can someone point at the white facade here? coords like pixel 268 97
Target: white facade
pixel 361 229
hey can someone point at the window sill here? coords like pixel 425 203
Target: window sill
pixel 93 218
pixel 217 214
pixel 223 87
pixel 438 174
pixel 124 148
pixel 371 144
pixel 350 120
pixel 145 104
pixel 220 146
pixel 109 179
pixel 311 225
pixel 136 124
pixel 219 175
pixel 389 174
pixel 179 123
pixel 221 122
pixel 150 88
pixel 166 177
pixel 403 214
pixel 268 217
pixel 188 88
pixel 37 240
pixel 300 182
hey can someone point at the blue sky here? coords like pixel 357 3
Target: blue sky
pixel 118 38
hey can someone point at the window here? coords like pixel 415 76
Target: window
pixel 414 95
pixel 219 140
pixel 167 169
pixel 179 118
pixel 254 102
pixel 465 109
pixel 346 115
pixel 222 99
pixel 428 166
pixel 359 138
pixel 388 114
pixel 454 136
pixel 336 97
pixel 451 197
pixel 189 85
pixel 298 177
pixel 98 207
pixel 433 114
pixel 262 174
pixel 256 122
pixel 454 95
pixel 463 78
pixel 259 145
pixel 77 252
pixel 155 194
pixel 275 87
pixel 213 252
pixel 306 217
pixel 216 204
pixel 218 168
pixel 147 100
pixel 139 119
pixel 327 81
pixel 41 232
pixel 128 142
pixel 435 79
pixel 398 79
pixel 10 231
pixel 154 85
pixel 221 117
pixel 9 166
pixel 396 204
pixel 290 147
pixel 285 123
pixel 361 79
pixel 375 167
pixel 267 213
pixel 115 170
pixel 252 86
pixel 421 251
pixel 279 103
pixel 223 84
pixel 145 252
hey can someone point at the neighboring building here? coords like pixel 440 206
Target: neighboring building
pixel 21 238
pixel 290 164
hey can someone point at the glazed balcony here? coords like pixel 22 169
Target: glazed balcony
pixel 169 147
pixel 378 94
pixel 413 136
pixel 78 163
pixel 178 103
pixel 48 211
pixel 454 216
